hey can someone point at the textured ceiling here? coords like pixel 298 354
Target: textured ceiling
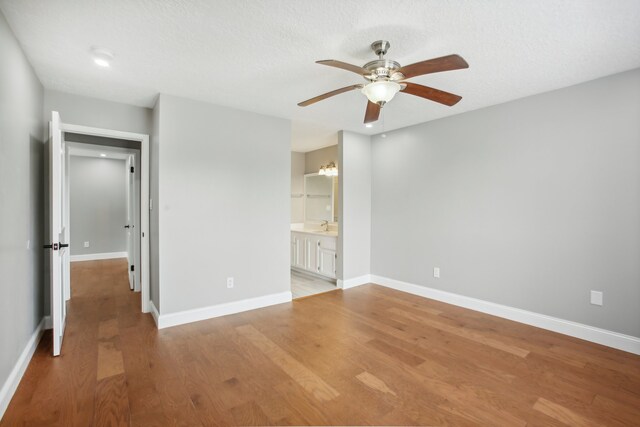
pixel 259 55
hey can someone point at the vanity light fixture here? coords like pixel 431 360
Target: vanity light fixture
pixel 329 170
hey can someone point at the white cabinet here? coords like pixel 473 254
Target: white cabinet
pixel 326 262
pixel 314 253
pixel 297 251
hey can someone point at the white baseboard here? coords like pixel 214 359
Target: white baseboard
pixel 13 380
pixel 566 327
pixel 356 281
pixel 154 312
pixel 195 315
pixel 93 257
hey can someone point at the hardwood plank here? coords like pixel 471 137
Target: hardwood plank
pixel 108 329
pixel 296 370
pixel 110 361
pixel 617 412
pixel 395 352
pixel 112 406
pixel 560 413
pixel 516 351
pixel 249 414
pixel 374 382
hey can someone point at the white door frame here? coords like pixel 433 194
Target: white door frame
pixel 144 195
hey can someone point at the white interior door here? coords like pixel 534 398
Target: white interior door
pixel 130 226
pixel 58 246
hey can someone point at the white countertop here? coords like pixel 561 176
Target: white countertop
pixel 305 228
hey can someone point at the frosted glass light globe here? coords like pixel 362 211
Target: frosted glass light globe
pixel 381 91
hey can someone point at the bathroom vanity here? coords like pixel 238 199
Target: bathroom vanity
pixel 314 250
pixel 314 242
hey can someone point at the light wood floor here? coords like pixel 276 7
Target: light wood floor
pixel 368 355
pixel 304 285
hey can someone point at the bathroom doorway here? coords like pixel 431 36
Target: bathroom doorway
pixel 314 221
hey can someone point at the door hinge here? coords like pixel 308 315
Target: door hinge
pixel 133 268
pixel 132 169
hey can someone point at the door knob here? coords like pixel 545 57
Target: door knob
pixel 127 226
pixel 55 246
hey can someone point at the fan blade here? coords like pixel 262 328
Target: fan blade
pixel 372 113
pixel 436 65
pixel 431 94
pixel 328 95
pixel 343 65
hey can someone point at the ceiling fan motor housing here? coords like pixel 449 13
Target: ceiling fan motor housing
pixel 382 69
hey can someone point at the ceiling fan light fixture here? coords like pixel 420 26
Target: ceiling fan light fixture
pixel 381 91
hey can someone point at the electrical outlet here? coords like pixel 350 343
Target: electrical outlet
pixel 28 244
pixel 86 244
pixel 436 272
pixel 229 282
pixel 596 297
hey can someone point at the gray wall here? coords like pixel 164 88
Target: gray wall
pixel 21 201
pixel 354 236
pixel 81 110
pixel 297 186
pixel 316 158
pixel 98 205
pixel 531 203
pixel 224 204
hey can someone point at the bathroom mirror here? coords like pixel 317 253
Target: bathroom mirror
pixel 320 198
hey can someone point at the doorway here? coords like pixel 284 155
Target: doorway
pixel 63 139
pixel 104 203
pixel 314 222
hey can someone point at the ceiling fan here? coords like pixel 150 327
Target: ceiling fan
pixel 384 78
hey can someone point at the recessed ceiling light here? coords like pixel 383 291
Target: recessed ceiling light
pixel 103 155
pixel 369 125
pixel 101 57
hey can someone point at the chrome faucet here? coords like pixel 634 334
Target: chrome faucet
pixel 325 224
